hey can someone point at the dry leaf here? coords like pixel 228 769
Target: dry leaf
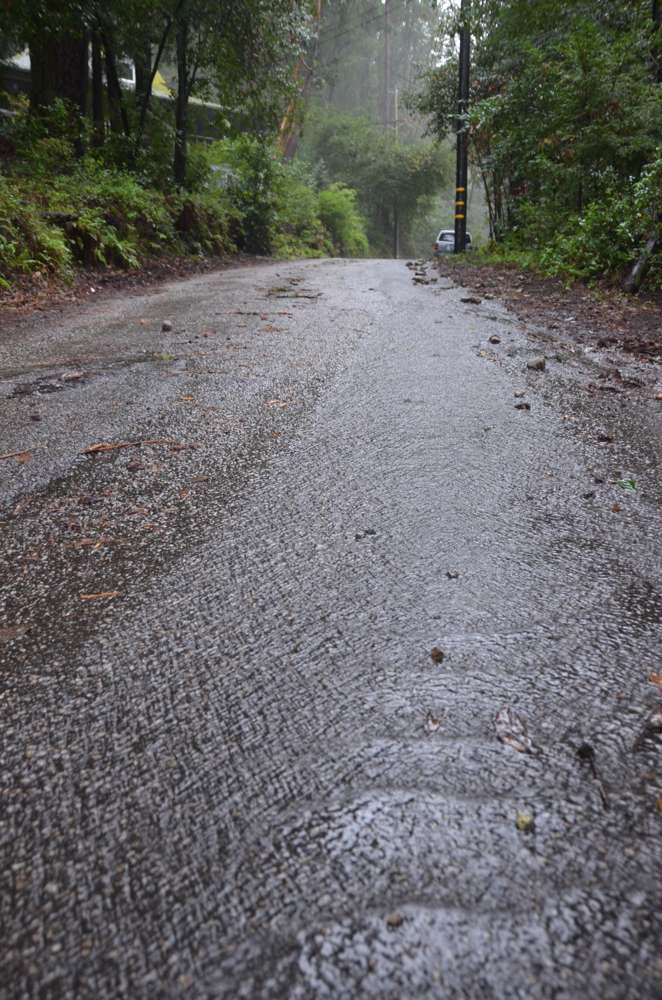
pixel 25 456
pixel 656 678
pixel 616 507
pixel 12 632
pixel 511 730
pixel 437 654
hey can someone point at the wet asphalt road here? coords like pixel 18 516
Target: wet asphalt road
pixel 221 782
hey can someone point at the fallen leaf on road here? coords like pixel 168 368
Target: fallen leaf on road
pixel 452 574
pixel 656 678
pixel 135 466
pixel 616 507
pixel 625 484
pixel 437 654
pixel 25 456
pixel 605 437
pixel 13 632
pixel 512 732
pixel 276 434
pixel 525 823
pixel 653 724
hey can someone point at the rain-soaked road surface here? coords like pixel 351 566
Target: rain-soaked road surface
pixel 226 780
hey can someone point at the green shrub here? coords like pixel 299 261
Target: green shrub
pixel 337 208
pixel 249 175
pixel 27 242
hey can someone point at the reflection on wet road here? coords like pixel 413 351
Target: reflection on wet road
pixel 222 781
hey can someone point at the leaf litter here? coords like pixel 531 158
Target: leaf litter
pixel 510 729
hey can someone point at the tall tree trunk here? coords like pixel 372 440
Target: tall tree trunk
pixel 119 121
pixel 387 61
pixel 144 101
pixel 181 108
pixel 41 46
pixel 97 92
pixel 143 72
pixel 59 69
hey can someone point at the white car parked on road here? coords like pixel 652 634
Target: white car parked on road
pixel 445 242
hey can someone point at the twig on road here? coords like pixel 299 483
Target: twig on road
pixel 126 444
pixel 23 451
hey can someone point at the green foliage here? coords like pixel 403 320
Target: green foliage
pixel 565 119
pixel 337 210
pixel 119 221
pixel 385 176
pixel 250 180
pixel 27 243
pixel 42 145
pixel 280 209
pixel 299 231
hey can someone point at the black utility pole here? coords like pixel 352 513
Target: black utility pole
pixel 462 137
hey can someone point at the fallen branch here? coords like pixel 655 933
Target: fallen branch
pixel 126 444
pixel 89 541
pixel 23 451
pixel 110 593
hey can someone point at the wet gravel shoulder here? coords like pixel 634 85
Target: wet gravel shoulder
pixel 244 774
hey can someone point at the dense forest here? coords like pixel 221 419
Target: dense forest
pixel 565 127
pixel 302 127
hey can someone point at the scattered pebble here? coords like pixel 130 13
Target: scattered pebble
pixel 437 654
pixel 519 393
pixel 452 574
pixel 471 298
pixel 494 339
pixel 536 364
pixel 394 920
pixel 522 406
pixel 166 326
